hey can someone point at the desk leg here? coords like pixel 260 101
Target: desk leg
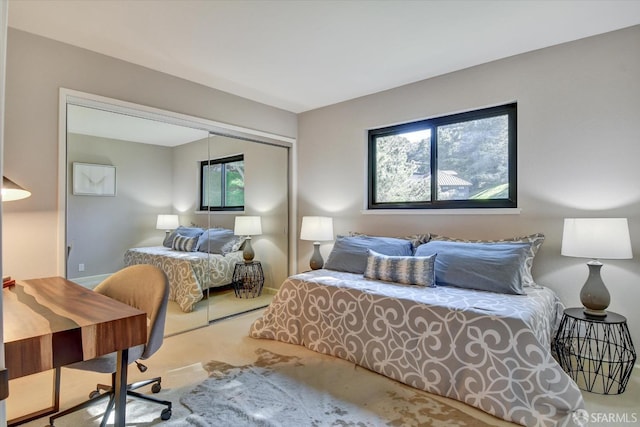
pixel 121 388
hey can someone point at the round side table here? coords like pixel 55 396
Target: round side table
pixel 597 352
pixel 248 279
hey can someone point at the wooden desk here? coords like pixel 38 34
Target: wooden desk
pixel 52 322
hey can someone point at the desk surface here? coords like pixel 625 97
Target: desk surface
pixel 53 322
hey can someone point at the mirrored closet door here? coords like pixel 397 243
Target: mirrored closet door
pixel 134 183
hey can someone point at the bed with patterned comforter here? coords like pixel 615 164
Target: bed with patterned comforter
pixel 189 273
pixel 488 350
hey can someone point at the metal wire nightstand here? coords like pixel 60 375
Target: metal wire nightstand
pixel 248 279
pixel 596 352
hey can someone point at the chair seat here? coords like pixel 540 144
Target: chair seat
pixel 107 364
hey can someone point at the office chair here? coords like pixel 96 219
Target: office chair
pixel 146 288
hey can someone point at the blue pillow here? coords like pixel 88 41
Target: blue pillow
pixel 496 267
pixel 350 253
pixel 216 241
pixel 408 270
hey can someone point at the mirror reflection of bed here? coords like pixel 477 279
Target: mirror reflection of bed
pixel 158 172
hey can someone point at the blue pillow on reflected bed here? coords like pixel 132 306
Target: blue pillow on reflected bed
pixel 217 241
pixel 495 267
pixel 350 253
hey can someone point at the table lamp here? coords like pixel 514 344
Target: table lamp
pixel 248 226
pixel 12 191
pixel 167 223
pixel 596 238
pixel 317 229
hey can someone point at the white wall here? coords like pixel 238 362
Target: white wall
pixel 578 141
pixel 36 69
pixel 101 229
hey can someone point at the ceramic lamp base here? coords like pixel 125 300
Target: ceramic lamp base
pixel 248 252
pixel 316 261
pixel 594 294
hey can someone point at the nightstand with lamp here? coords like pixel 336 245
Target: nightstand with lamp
pixel 248 277
pixel 592 345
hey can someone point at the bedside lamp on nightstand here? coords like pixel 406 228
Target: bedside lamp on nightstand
pixel 248 226
pixel 316 229
pixel 596 238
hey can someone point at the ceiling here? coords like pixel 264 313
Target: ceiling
pixel 302 55
pixel 106 124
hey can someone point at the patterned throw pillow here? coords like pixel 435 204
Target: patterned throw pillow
pixel 183 231
pixel 184 243
pixel 534 241
pixel 408 270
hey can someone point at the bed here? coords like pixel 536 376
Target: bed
pixel 490 350
pixel 194 260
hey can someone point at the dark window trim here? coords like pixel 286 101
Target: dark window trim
pixel 511 202
pixel 223 161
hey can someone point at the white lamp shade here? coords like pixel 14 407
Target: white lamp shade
pixel 316 228
pixel 596 238
pixel 167 222
pixel 12 191
pixel 248 226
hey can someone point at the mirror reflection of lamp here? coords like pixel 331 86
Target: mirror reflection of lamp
pixel 248 226
pixel 316 229
pixel 11 192
pixel 167 223
pixel 596 238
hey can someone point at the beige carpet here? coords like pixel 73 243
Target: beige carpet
pixel 219 305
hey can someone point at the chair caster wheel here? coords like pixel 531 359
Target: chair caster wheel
pixel 166 414
pixel 156 388
pixel 94 394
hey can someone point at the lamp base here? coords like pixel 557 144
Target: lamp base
pixel 248 252
pixel 594 294
pixel 316 261
pixel 594 313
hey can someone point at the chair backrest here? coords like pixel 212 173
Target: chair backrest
pixel 146 288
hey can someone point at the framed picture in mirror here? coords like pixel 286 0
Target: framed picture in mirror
pixel 94 180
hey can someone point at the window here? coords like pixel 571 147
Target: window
pixel 222 184
pixel 465 160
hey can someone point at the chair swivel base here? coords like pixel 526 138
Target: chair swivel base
pixel 95 396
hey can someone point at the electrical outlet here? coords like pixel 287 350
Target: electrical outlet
pixel 80 267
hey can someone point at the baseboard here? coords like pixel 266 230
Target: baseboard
pixel 90 281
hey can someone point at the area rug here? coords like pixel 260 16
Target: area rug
pixel 279 390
